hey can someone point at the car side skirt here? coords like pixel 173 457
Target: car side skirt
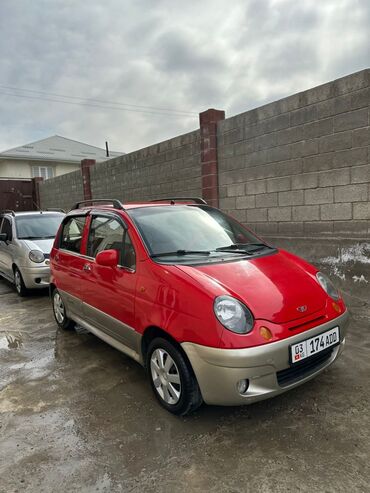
pixel 112 331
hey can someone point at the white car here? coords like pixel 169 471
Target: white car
pixel 26 239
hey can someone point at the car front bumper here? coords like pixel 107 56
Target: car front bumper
pixel 219 370
pixel 36 277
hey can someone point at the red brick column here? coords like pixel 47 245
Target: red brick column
pixel 208 154
pixel 36 192
pixel 85 169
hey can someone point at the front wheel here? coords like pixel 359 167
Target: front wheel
pixel 59 310
pixel 172 378
pixel 19 283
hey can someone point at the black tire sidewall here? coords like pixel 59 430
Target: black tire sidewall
pixel 189 385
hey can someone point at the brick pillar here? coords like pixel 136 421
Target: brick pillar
pixel 86 184
pixel 208 154
pixel 36 192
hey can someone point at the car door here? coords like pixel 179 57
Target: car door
pixel 109 292
pixel 7 248
pixel 68 263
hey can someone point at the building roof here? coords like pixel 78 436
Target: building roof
pixel 57 148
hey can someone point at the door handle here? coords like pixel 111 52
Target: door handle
pixel 87 267
pixel 56 258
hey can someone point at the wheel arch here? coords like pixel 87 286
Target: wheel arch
pixel 152 332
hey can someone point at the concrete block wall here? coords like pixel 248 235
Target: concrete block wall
pixel 300 166
pixel 295 167
pixel 169 168
pixel 62 191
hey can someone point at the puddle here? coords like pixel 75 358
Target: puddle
pixel 11 341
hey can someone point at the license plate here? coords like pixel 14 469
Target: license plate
pixel 314 345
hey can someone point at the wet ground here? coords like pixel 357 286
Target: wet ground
pixel 76 415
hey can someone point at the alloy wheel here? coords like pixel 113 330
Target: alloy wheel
pixel 58 308
pixel 18 281
pixel 165 376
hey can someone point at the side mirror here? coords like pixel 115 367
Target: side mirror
pixel 108 258
pixel 3 237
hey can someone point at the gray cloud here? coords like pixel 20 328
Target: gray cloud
pixel 189 56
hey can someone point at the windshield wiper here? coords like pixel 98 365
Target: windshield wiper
pixel 181 252
pixel 242 247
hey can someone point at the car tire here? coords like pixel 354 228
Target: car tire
pixel 19 283
pixel 174 384
pixel 59 311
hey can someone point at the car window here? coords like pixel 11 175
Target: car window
pixel 72 233
pixel 167 229
pixel 128 258
pixel 38 226
pixel 109 234
pixel 7 228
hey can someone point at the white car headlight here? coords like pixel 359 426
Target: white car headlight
pixel 327 286
pixel 36 256
pixel 233 314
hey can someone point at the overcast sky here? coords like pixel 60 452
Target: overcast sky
pixel 164 54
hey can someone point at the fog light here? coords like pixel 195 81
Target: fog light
pixel 336 307
pixel 242 386
pixel 266 333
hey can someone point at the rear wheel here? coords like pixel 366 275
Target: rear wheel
pixel 172 378
pixel 59 310
pixel 19 283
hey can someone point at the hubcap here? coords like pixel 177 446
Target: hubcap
pixel 165 376
pixel 58 308
pixel 17 280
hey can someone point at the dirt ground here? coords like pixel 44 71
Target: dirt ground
pixel 77 415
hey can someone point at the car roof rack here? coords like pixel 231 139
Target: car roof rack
pixel 55 209
pixel 7 211
pixel 173 200
pixel 116 203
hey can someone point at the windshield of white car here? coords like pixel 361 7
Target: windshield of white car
pixel 38 226
pixel 199 230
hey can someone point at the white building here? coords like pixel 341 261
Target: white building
pixel 49 157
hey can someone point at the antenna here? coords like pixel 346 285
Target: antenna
pixel 106 148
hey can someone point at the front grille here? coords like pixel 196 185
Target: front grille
pixel 303 369
pixel 47 255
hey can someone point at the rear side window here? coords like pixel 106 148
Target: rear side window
pixel 72 232
pixel 108 234
pixel 7 228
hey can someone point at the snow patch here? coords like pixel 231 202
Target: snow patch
pixel 361 278
pixel 356 253
pixel 336 272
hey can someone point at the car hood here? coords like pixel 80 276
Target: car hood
pixel 44 245
pixel 278 287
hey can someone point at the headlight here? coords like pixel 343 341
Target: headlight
pixel 233 314
pixel 327 286
pixel 36 256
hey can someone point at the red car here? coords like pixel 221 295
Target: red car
pixel 213 312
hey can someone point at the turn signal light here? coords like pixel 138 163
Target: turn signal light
pixel 336 307
pixel 266 333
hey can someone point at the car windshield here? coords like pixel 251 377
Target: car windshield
pixel 184 230
pixel 36 227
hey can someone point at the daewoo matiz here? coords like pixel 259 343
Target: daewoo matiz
pixel 212 312
pixel 26 239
